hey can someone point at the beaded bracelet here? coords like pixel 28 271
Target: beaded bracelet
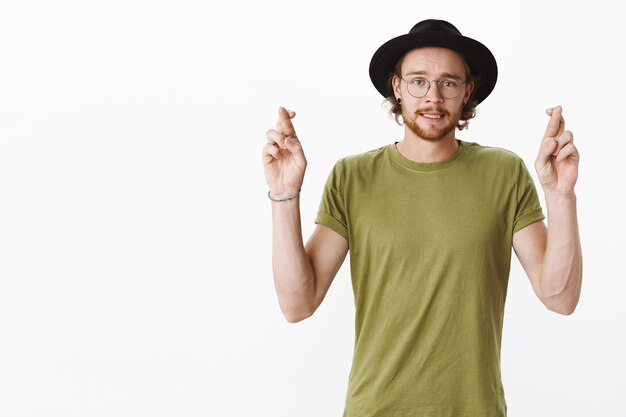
pixel 278 200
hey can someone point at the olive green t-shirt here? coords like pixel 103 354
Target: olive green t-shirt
pixel 430 251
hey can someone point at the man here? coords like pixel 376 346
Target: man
pixel 430 222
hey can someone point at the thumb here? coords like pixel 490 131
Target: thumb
pixel 546 150
pixel 294 146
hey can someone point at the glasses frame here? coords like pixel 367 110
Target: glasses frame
pixel 438 82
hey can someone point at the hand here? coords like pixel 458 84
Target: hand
pixel 557 162
pixel 283 158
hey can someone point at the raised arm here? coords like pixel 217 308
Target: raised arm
pixel 302 274
pixel 552 257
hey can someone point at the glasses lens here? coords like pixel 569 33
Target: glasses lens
pixel 418 87
pixel 449 88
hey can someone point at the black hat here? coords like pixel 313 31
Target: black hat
pixel 435 33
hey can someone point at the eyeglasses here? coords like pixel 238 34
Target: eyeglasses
pixel 419 87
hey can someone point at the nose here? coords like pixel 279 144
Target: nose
pixel 433 95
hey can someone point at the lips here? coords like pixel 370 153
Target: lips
pixel 432 114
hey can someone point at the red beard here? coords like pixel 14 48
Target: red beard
pixel 432 133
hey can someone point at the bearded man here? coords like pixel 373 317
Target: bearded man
pixel 430 222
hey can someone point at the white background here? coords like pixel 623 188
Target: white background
pixel 135 230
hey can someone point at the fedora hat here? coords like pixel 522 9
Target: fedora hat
pixel 440 33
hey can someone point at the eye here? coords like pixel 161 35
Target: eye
pixel 418 82
pixel 449 84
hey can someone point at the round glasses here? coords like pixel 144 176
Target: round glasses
pixel 419 87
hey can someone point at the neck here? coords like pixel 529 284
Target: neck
pixel 420 150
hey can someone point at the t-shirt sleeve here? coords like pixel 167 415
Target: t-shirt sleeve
pixel 332 212
pixel 528 207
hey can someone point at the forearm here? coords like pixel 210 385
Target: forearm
pixel 293 273
pixel 561 273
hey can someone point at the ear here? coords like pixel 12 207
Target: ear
pixel 396 82
pixel 469 88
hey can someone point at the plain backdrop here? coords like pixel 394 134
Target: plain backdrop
pixel 135 229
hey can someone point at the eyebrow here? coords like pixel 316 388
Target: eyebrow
pixel 442 75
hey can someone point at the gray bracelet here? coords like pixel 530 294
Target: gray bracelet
pixel 278 200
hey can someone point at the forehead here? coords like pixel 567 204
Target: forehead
pixel 433 60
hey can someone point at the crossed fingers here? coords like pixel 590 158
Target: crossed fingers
pixel 557 141
pixel 283 137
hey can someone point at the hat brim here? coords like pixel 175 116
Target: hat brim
pixel 481 61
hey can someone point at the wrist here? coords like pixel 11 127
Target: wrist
pixel 284 196
pixel 559 199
